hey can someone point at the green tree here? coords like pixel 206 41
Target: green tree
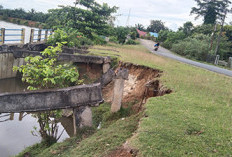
pixel 43 72
pixel 187 28
pixel 173 37
pixel 156 26
pixel 121 34
pixel 228 32
pixel 203 29
pixel 72 37
pixel 22 14
pixel 163 35
pixel 211 10
pixel 140 27
pixel 87 17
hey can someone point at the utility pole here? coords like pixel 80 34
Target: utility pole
pixel 128 19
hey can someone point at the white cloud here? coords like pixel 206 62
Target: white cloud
pixel 173 12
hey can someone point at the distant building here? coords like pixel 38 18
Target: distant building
pixel 156 35
pixel 141 33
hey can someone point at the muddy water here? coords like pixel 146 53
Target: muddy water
pixel 15 135
pixel 11 85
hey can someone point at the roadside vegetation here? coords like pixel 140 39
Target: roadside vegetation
pixel 202 42
pixel 205 41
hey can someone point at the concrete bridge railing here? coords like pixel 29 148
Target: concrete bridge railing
pixel 13 56
pixel 34 101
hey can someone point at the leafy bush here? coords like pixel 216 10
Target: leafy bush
pixel 70 36
pixel 133 33
pixel 121 34
pixel 98 40
pixel 173 37
pixel 25 23
pixel 196 47
pixel 163 35
pixel 113 39
pixel 206 29
pixel 132 42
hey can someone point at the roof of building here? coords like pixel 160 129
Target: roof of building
pixel 141 33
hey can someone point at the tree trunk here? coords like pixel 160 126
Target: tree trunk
pixel 220 34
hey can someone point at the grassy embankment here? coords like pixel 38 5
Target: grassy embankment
pixel 195 120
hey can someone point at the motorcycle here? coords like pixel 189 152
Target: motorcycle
pixel 156 48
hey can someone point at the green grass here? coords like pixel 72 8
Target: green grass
pixel 195 120
pixel 115 130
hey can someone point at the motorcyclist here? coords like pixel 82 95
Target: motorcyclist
pixel 156 46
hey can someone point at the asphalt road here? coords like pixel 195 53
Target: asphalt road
pixel 166 53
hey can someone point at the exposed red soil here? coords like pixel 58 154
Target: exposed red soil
pixel 120 153
pixel 142 83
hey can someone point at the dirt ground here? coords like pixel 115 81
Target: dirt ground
pixel 120 153
pixel 143 82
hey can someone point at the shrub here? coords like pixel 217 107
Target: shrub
pixel 132 42
pixel 71 37
pixel 113 39
pixel 25 23
pixel 133 34
pixel 196 47
pixel 163 35
pixel 121 33
pixel 98 40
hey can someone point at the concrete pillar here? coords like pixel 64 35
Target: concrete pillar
pixel 10 61
pixel 74 121
pixel 121 76
pixel 106 65
pixel 23 36
pixel 20 116
pixel 1 66
pixel 46 35
pixel 15 63
pixel 83 117
pixel 230 62
pixel 4 65
pixel 39 35
pixel 32 36
pixel 2 36
pixel 12 116
pixel 217 59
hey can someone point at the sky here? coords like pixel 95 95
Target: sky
pixel 173 12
